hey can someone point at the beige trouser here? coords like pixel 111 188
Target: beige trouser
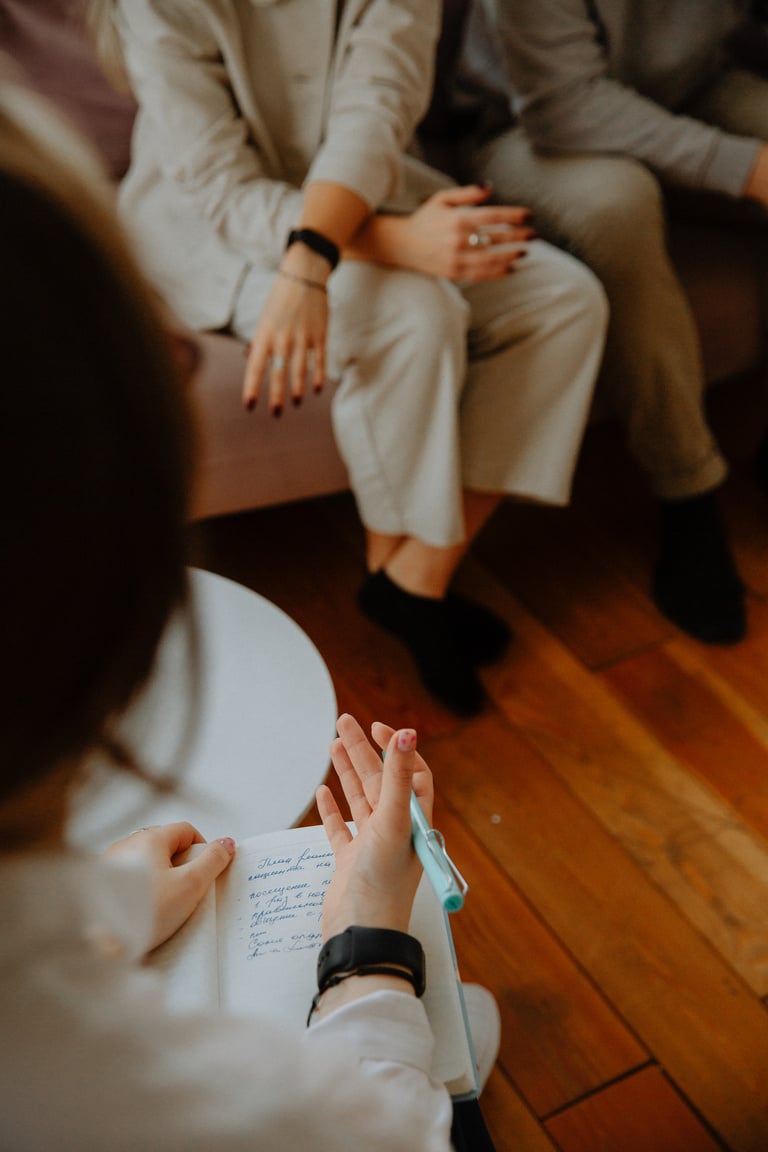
pixel 610 212
pixel 441 388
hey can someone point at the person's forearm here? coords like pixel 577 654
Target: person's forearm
pixel 380 240
pixel 355 988
pixel 333 210
pixel 337 213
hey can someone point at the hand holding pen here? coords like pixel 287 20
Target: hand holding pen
pixel 377 872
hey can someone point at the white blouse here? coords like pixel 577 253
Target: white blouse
pixel 90 1058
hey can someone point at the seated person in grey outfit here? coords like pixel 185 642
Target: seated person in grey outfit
pixel 620 104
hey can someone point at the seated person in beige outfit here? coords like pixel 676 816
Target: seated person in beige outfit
pixel 270 194
pixel 602 116
pixel 95 458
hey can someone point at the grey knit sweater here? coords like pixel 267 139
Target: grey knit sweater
pixel 615 76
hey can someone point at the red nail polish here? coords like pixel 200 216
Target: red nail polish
pixel 296 401
pixel 250 404
pixel 406 740
pixel 277 410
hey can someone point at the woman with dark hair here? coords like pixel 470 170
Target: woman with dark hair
pixel 95 460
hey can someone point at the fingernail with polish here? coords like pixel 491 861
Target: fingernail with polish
pixel 277 410
pixel 406 740
pixel 228 843
pixel 250 404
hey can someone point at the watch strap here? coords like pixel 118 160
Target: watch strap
pixel 360 949
pixel 316 242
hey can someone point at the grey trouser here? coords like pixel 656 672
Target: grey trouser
pixel 444 388
pixel 610 212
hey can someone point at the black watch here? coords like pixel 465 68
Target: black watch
pixel 360 948
pixel 316 242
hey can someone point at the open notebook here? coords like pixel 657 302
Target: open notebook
pixel 251 947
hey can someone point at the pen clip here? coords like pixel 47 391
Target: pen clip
pixel 436 844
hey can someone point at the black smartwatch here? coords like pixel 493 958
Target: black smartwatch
pixel 316 242
pixel 361 949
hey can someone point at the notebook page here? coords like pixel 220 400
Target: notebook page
pixel 270 904
pixel 269 914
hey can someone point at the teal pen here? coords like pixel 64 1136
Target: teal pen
pixel 444 876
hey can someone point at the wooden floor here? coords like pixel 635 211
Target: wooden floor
pixel 610 809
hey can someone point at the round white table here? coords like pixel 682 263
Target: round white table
pixel 260 733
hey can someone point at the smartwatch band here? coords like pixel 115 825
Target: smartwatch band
pixel 316 242
pixel 361 949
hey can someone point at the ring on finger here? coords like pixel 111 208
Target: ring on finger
pixel 479 239
pixel 278 362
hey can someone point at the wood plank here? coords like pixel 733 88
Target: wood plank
pixel 560 1039
pixel 642 1113
pixel 743 666
pixel 684 836
pixel 512 1126
pixel 702 722
pixel 552 560
pixel 683 1001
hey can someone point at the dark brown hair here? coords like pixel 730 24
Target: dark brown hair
pixel 94 476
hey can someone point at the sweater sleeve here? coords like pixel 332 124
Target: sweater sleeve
pixel 388 1035
pixel 568 102
pixel 202 143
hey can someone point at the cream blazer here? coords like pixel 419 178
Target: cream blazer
pixel 242 102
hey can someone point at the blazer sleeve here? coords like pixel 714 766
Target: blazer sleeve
pixel 381 90
pixel 568 102
pixel 202 143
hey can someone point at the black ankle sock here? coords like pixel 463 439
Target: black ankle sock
pixel 425 626
pixel 483 635
pixel 696 583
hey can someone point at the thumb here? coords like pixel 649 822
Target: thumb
pixel 397 782
pixel 208 863
pixel 467 195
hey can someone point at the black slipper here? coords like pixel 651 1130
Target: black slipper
pixel 696 584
